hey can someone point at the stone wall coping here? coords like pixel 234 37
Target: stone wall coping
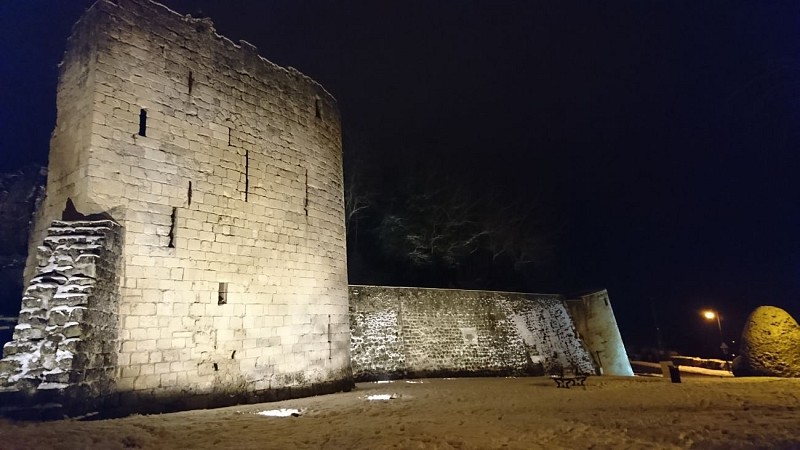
pixel 469 290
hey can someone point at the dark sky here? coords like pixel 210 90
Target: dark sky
pixel 666 131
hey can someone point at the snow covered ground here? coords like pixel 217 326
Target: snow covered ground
pixel 479 413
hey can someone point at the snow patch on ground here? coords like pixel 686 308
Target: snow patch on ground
pixel 282 412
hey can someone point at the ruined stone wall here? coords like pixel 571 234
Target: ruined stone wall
pixel 417 331
pixel 225 173
pixel 597 326
pixel 66 337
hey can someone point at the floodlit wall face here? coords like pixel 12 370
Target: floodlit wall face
pixel 233 270
pixel 416 331
pixel 71 138
pixel 598 328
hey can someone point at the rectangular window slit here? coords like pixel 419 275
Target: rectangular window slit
pixel 330 341
pixel 305 200
pixel 229 136
pixel 222 297
pixel 317 109
pixel 189 194
pixel 246 174
pixel 172 227
pixel 191 82
pixel 142 122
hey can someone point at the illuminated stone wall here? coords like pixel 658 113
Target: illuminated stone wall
pixel 415 331
pixel 224 172
pixel 597 326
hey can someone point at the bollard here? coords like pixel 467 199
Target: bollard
pixel 674 374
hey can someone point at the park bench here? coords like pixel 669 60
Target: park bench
pixel 564 378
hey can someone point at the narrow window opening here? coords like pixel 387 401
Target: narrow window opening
pixel 305 199
pixel 172 227
pixel 229 136
pixel 216 367
pixel 233 355
pixel 330 344
pixel 222 297
pixel 317 109
pixel 143 122
pixel 189 194
pixel 246 174
pixel 191 82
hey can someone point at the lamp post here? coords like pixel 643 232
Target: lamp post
pixel 711 314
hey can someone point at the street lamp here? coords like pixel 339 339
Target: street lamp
pixel 710 314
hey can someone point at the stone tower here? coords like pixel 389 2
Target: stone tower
pixel 191 244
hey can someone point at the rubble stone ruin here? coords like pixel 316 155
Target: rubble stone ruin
pixel 190 250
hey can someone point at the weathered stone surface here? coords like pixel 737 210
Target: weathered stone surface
pixel 597 328
pixel 224 172
pixel 9 366
pixel 770 345
pixel 25 332
pixel 399 331
pixel 67 344
pixel 14 347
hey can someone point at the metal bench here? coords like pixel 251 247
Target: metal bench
pixel 564 378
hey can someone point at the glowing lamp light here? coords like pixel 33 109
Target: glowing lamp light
pixel 710 314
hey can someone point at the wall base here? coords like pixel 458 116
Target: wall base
pixel 535 371
pixel 56 405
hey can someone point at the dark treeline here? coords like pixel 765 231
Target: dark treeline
pixel 417 221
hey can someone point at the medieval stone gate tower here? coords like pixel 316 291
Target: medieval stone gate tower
pixel 220 270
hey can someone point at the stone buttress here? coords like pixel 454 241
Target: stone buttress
pixel 66 339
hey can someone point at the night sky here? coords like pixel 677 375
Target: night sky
pixel 666 132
